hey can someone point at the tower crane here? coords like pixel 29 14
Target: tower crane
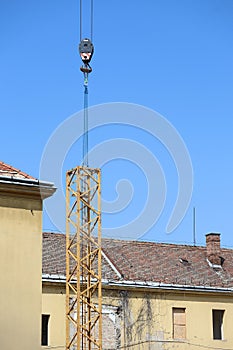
pixel 83 235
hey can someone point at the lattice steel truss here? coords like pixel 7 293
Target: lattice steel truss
pixel 83 259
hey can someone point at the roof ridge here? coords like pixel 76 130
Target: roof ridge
pixel 145 242
pixel 53 233
pixel 154 242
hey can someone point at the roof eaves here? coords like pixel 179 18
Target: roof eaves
pixel 53 278
pixel 164 286
pixel 29 186
pixel 148 285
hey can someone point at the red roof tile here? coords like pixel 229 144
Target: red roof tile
pixel 169 263
pixel 10 171
pixel 148 262
pixel 54 257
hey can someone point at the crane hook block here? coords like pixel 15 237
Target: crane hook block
pixel 86 50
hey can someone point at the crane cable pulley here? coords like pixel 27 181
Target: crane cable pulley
pixel 86 50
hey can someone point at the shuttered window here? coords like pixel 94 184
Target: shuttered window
pixel 179 323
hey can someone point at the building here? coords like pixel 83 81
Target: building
pixel 155 296
pixel 21 201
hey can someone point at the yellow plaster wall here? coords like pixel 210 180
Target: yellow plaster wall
pixel 53 304
pixel 20 261
pixel 146 318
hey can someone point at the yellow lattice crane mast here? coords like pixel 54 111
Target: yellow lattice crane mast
pixel 83 258
pixel 83 238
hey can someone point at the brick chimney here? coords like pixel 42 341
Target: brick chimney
pixel 213 248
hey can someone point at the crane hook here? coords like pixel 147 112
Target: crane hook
pixel 86 50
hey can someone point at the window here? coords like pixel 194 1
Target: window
pixel 217 317
pixel 44 329
pixel 179 323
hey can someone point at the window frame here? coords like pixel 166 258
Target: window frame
pixel 181 325
pixel 217 324
pixel 45 318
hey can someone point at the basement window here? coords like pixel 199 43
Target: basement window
pixel 44 329
pixel 217 317
pixel 179 323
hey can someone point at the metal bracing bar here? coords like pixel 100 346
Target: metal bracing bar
pixel 92 222
pixel 94 192
pixel 72 209
pixel 88 205
pixel 89 174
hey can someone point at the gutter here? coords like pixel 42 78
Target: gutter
pixel 53 278
pixel 12 179
pixel 139 284
pixel 29 186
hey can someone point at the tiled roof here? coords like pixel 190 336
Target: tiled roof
pixel 54 257
pixel 169 263
pixel 148 262
pixel 10 171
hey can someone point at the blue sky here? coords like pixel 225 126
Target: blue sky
pixel 175 57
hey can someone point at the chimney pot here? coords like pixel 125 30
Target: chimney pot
pixel 213 248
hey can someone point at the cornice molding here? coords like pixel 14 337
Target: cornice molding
pixel 26 188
